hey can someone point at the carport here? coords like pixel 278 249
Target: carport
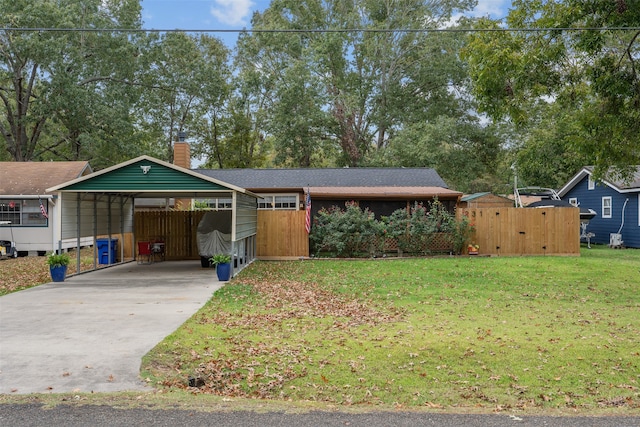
pixel 101 205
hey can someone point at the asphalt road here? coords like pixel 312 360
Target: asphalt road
pixel 71 416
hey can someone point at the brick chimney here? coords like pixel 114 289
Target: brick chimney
pixel 182 152
pixel 182 158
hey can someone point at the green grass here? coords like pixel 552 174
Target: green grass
pixel 468 332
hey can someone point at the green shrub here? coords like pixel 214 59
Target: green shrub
pixel 347 233
pixel 422 230
pixel 462 234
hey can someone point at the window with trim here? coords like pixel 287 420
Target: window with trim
pixel 278 201
pixel 218 203
pixel 573 201
pixel 606 207
pixel 22 212
pixel 592 184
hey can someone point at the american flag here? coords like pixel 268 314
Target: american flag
pixel 43 211
pixel 307 206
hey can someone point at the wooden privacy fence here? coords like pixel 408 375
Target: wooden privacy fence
pixel 176 228
pixel 526 231
pixel 281 234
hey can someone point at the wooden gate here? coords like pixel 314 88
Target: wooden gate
pixel 281 235
pixel 526 231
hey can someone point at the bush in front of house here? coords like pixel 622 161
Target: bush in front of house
pixel 351 232
pixel 422 230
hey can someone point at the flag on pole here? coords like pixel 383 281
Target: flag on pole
pixel 43 210
pixel 307 207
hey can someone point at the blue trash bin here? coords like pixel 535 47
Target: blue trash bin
pixel 106 246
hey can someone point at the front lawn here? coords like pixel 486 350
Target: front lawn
pixel 452 332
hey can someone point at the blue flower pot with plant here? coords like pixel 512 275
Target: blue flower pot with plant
pixel 222 262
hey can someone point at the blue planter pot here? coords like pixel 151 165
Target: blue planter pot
pixel 58 273
pixel 223 271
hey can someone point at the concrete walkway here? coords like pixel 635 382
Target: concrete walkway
pixel 90 332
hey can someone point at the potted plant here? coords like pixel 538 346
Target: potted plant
pixel 58 264
pixel 473 249
pixel 222 263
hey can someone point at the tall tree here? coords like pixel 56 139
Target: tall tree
pixel 363 81
pixel 62 92
pixel 234 132
pixel 579 55
pixel 187 81
pixel 546 153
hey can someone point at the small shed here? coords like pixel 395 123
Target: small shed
pixel 485 200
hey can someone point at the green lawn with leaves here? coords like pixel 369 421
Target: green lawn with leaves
pixel 21 273
pixel 453 332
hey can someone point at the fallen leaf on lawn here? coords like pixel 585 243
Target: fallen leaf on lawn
pixel 433 405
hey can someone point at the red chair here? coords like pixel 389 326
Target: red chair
pixel 144 251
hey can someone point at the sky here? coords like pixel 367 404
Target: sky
pixel 236 14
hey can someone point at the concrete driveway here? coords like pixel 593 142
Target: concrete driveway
pixel 90 332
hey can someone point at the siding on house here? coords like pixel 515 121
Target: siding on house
pixel 603 227
pixel 25 184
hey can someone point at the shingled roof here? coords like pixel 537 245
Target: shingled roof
pixel 33 178
pixel 297 179
pixel 632 185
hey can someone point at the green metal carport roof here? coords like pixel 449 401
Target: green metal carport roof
pixel 101 203
pixel 145 177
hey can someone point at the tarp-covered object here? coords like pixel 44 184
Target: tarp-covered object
pixel 214 234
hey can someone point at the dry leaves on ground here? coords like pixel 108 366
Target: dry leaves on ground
pixel 261 369
pixel 25 272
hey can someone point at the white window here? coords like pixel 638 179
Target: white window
pixel 278 201
pixel 606 207
pixel 573 201
pixel 592 183
pixel 25 212
pixel 217 204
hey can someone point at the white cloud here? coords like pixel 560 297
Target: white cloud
pixel 492 8
pixel 232 12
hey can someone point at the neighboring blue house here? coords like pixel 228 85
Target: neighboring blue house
pixel 616 203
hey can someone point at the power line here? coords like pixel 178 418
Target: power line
pixel 344 30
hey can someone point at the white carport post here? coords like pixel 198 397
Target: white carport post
pixel 56 219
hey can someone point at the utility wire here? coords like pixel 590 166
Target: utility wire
pixel 345 30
